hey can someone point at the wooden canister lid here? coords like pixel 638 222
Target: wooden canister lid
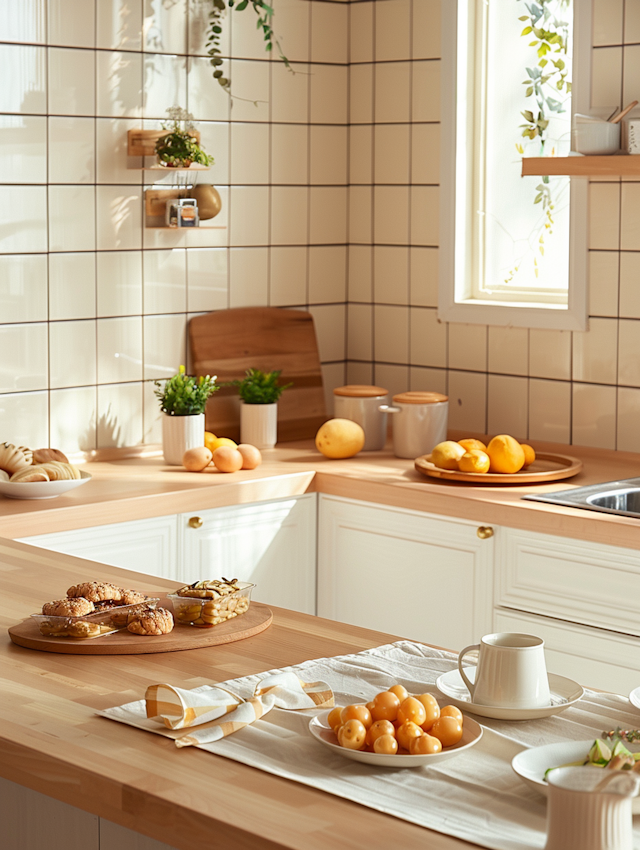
pixel 360 391
pixel 419 398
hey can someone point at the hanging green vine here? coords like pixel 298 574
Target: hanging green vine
pixel 218 11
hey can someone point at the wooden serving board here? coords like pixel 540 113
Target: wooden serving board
pixel 252 622
pixel 546 467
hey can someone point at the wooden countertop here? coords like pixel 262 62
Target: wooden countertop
pixel 142 487
pixel 52 741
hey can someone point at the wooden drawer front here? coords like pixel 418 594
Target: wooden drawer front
pixel 593 657
pixel 583 582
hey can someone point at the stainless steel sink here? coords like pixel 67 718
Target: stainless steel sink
pixel 611 497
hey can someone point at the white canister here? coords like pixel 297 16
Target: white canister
pixel 361 404
pixel 180 433
pixel 420 422
pixel 259 424
pixel 595 138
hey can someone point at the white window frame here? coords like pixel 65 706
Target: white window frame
pixel 454 302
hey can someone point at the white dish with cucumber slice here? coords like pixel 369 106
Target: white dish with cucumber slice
pixel 531 765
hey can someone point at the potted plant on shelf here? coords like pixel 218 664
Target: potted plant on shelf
pixel 183 399
pixel 179 148
pixel 259 394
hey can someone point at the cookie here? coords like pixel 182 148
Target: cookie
pixel 96 591
pixel 150 621
pixel 77 607
pixel 13 458
pixel 210 589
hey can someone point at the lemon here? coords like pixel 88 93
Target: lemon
pixel 214 444
pixel 474 461
pixel 447 454
pixel 469 444
pixel 506 454
pixel 339 438
pixel 529 454
pixel 208 439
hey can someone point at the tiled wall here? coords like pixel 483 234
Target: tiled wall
pixel 93 305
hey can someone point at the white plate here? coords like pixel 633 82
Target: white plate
pixel 564 693
pixel 321 731
pixel 41 489
pixel 634 697
pixel 530 765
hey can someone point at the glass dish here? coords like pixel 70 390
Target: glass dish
pixel 92 625
pixel 207 613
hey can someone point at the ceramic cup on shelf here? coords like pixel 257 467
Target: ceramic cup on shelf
pixel 362 404
pixel 511 671
pixel 594 137
pixel 419 422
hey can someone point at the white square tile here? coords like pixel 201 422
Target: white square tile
pixel 23 353
pixel 607 22
pixel 249 215
pixel 361 94
pixel 391 215
pixel 249 277
pixel 467 347
pixel 328 155
pixel 23 294
pixel 329 32
pixel 393 30
pixel 428 338
pixel 164 28
pixel 392 92
pixel 249 153
pixel 165 345
pixel 120 415
pixel 359 373
pixel 119 84
pixel 165 82
pixel 629 353
pixel 290 92
pixel 422 379
pixel 330 325
pixel 113 165
pixel 359 331
pixel 426 25
pixel 391 145
pixel 214 139
pixel 207 284
pixel 360 214
pixel 395 379
pixel 360 276
pixel 23 219
pixel 327 215
pixel 250 89
pixel 390 274
pixel 120 349
pixel 631 22
pixel 71 23
pixel 328 94
pixel 24 418
pixel 289 215
pixel 119 289
pixel 71 81
pixel 509 350
pixel 391 334
pixel 72 286
pixel 72 218
pixel 26 22
pixel 291 22
pixel 198 30
pixel 595 352
pixel 425 153
pixel 73 418
pixel 550 354
pixel 361 154
pixel 289 153
pixel 288 283
pixel 361 32
pixel 508 405
pixel 165 281
pixel 606 78
pixel 327 274
pixel 630 71
pixel 629 290
pixel 426 91
pixel 550 411
pixel 425 215
pixel 72 354
pixel 594 416
pixel 333 375
pixel 23 149
pixel 630 217
pixel 603 283
pixel 23 71
pixel 119 217
pixel 627 419
pixel 423 276
pixel 119 24
pixel 467 401
pixel 72 150
pixel 152 415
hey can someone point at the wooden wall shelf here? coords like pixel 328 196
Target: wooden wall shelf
pixel 143 142
pixel 622 165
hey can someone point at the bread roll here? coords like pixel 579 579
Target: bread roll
pixel 46 455
pixel 28 474
pixel 14 458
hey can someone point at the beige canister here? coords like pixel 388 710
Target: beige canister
pixel 419 423
pixel 362 404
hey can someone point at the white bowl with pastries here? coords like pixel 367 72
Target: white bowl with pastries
pixel 37 474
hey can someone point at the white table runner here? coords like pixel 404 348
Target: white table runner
pixel 476 797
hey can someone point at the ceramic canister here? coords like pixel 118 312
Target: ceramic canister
pixel 361 404
pixel 420 422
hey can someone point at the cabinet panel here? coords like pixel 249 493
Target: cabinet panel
pixel 411 574
pixel 272 544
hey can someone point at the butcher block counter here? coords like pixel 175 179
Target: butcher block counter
pixel 129 488
pixel 52 741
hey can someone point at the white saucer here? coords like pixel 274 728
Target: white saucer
pixel 564 693
pixel 634 697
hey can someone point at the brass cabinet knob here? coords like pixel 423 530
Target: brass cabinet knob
pixel 196 522
pixel 484 532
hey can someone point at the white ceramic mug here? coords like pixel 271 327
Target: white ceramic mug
pixel 595 138
pixel 511 671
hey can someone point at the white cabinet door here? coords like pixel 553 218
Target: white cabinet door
pixel 417 575
pixel 145 545
pixel 272 544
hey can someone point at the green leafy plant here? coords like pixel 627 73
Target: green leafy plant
pixel 179 146
pixel 184 395
pixel 260 387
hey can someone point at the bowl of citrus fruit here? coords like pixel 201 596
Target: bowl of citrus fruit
pixel 396 729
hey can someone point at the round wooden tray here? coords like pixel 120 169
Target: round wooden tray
pixel 546 467
pixel 252 622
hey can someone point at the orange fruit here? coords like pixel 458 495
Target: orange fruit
pixel 401 692
pixel 379 728
pixel 385 706
pixel 425 744
pixel 406 733
pixel 352 735
pixel 209 438
pixel 216 442
pixel 506 454
pixel 334 719
pixel 412 709
pixel 470 443
pixel 385 745
pixel 356 712
pixel 448 730
pixel 447 454
pixel 451 711
pixel 474 460
pixel 529 454
pixel 432 710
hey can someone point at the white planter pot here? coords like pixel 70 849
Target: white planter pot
pixel 259 424
pixel 180 433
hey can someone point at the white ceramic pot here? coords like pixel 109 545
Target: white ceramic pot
pixel 259 424
pixel 361 404
pixel 180 433
pixel 419 424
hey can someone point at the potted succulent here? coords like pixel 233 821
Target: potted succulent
pixel 183 399
pixel 178 148
pixel 259 394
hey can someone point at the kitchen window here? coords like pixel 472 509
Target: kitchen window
pixel 513 249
